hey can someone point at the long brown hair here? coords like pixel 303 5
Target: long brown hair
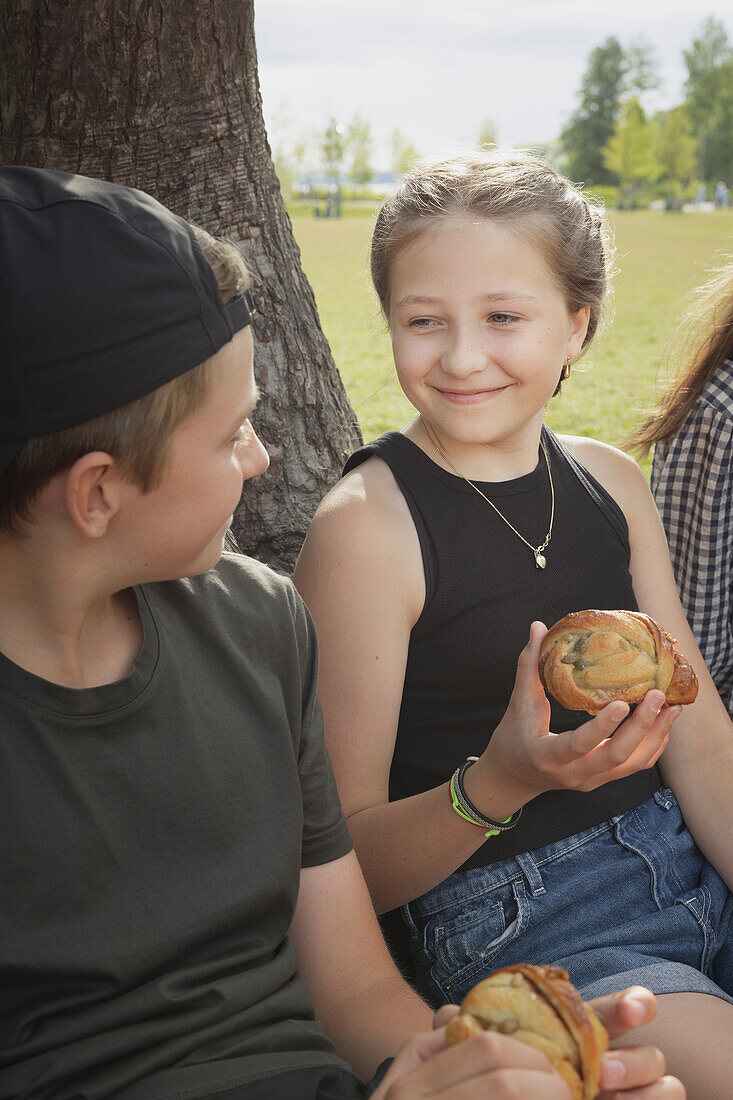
pixel 705 340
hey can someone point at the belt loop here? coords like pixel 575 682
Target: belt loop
pixel 662 798
pixel 531 873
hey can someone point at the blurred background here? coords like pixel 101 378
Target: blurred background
pixel 632 100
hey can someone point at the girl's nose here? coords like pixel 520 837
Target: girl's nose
pixel 464 355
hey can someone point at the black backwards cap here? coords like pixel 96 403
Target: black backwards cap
pixel 105 295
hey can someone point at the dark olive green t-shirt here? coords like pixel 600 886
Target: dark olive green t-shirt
pixel 152 833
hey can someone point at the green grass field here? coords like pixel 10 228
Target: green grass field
pixel 660 258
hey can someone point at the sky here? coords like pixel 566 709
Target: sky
pixel 435 69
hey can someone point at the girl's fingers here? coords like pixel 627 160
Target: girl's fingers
pixel 634 745
pixel 581 741
pixel 527 664
pixel 639 741
pixel 659 752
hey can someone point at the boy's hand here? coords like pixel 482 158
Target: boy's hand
pixel 638 1068
pixel 486 1066
pixel 525 758
pixel 493 1065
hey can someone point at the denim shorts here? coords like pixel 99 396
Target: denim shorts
pixel 631 901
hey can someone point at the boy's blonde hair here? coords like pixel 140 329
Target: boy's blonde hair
pixel 517 189
pixel 138 434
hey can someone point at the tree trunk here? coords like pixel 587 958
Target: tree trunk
pixel 165 97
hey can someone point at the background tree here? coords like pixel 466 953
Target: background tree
pixel 359 145
pixel 166 98
pixel 333 149
pixel 709 89
pixel 404 153
pixel 642 68
pixel 592 123
pixel 290 149
pixel 675 150
pixel 628 155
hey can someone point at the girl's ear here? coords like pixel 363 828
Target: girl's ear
pixel 92 493
pixel 578 328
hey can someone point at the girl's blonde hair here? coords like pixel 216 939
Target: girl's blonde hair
pixel 518 189
pixel 705 339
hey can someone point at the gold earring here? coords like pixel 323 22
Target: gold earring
pixel 565 370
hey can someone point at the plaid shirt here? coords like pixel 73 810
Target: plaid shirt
pixel 692 482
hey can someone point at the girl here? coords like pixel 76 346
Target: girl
pixel 425 568
pixel 692 475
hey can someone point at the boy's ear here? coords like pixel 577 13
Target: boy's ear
pixel 92 493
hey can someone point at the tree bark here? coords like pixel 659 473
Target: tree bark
pixel 165 98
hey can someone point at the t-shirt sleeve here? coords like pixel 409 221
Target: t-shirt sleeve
pixel 692 483
pixel 325 832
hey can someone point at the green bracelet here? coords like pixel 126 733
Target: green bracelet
pixel 466 809
pixel 462 813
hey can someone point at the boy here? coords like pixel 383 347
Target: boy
pixel 163 778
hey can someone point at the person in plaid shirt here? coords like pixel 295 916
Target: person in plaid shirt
pixel 691 430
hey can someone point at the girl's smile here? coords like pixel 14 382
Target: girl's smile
pixel 469 397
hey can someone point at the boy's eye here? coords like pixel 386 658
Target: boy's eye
pixel 421 322
pixel 502 318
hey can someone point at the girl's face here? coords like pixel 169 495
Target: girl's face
pixel 480 330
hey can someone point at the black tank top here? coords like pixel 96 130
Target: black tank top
pixel 483 590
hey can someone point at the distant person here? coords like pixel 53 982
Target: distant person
pixel 426 569
pixel 721 195
pixel 701 194
pixel 178 885
pixel 691 430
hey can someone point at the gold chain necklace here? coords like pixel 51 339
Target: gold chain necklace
pixel 539 557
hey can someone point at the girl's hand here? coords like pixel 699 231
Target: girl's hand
pixel 495 1065
pixel 524 758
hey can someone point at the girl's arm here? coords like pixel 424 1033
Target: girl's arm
pixel 361 574
pixel 698 762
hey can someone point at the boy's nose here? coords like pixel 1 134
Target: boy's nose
pixel 255 460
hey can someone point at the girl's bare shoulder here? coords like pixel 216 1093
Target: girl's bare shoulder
pixel 366 504
pixel 602 460
pixel 363 528
pixel 617 472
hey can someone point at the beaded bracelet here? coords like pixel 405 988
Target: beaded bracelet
pixel 465 808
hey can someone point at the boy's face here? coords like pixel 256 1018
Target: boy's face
pixel 178 528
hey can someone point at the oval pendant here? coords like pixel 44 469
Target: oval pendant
pixel 540 560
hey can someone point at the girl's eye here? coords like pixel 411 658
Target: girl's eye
pixel 421 322
pixel 502 319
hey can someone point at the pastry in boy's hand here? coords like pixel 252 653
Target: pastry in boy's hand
pixel 539 1006
pixel 591 658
